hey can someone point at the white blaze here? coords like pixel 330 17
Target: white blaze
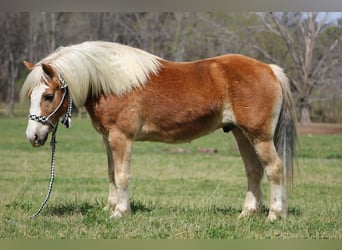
pixel 35 131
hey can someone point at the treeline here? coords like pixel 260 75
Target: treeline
pixel 306 45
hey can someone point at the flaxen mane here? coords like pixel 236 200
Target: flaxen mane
pixel 95 67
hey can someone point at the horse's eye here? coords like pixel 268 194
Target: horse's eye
pixel 48 97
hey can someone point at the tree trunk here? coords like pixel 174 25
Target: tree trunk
pixel 181 35
pixel 10 95
pixel 49 21
pixel 33 37
pixel 11 86
pixel 305 108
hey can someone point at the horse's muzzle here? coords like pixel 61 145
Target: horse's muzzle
pixel 37 141
pixel 37 133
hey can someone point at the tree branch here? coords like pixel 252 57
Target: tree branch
pixel 325 55
pixel 285 34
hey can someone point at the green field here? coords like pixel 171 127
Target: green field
pixel 176 191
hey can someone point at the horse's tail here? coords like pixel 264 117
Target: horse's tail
pixel 285 136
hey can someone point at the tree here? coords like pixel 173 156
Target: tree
pixel 42 34
pixel 300 33
pixel 13 36
pixel 26 36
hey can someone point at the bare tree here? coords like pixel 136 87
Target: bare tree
pixel 300 33
pixel 42 34
pixel 49 23
pixel 14 35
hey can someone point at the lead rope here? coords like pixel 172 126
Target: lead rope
pixel 52 178
pixel 66 121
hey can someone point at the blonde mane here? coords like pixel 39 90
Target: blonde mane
pixel 97 67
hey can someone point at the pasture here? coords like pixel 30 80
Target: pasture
pixel 183 191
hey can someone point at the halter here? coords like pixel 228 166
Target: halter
pixel 66 120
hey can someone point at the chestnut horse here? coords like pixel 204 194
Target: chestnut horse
pixel 132 95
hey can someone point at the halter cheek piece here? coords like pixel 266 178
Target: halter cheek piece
pixel 66 120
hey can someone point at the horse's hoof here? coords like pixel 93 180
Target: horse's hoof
pixel 116 215
pixel 109 207
pixel 119 214
pixel 248 213
pixel 273 216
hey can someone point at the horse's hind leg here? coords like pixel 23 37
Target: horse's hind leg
pixel 273 168
pixel 254 172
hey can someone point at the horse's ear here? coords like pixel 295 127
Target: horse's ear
pixel 48 70
pixel 28 65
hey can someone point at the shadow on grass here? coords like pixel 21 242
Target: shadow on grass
pixel 71 208
pixel 137 206
pixel 86 208
pixel 140 207
pixel 292 211
pixel 296 212
pixel 225 211
pixel 56 209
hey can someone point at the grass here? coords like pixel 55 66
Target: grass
pixel 189 195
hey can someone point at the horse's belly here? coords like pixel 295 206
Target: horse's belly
pixel 180 130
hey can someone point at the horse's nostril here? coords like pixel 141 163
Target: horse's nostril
pixel 35 137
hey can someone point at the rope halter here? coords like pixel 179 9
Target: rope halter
pixel 66 119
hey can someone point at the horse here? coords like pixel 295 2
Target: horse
pixel 132 95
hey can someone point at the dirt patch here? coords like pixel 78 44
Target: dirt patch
pixel 319 129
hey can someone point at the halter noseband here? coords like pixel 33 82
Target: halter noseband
pixel 66 120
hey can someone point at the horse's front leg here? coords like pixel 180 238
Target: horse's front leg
pixel 111 202
pixel 121 147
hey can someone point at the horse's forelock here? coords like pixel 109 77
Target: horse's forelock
pixel 32 80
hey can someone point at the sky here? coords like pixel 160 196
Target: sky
pixel 333 16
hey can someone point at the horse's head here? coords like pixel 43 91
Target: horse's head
pixel 48 103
